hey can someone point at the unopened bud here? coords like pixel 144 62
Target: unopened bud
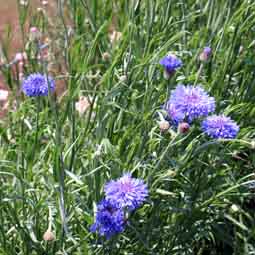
pixel 82 105
pixel 164 125
pixel 205 54
pixel 48 236
pixel 106 56
pixel 4 94
pixel 234 208
pixel 183 127
pixel 123 78
pixel 34 33
pixel 19 56
pixel 44 2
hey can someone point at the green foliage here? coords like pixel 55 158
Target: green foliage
pixel 54 159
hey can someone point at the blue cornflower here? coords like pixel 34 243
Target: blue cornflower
pixel 109 220
pixel 192 101
pixel 170 63
pixel 128 192
pixel 220 126
pixel 37 85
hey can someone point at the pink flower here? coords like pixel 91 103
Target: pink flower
pixel 19 56
pixel 44 3
pixel 4 95
pixel 35 34
pixel 82 105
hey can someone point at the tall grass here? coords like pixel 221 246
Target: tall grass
pixel 53 159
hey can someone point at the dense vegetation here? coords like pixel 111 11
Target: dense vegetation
pixel 56 161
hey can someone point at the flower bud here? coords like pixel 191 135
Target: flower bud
pixel 19 56
pixel 82 105
pixel 48 236
pixel 123 78
pixel 234 208
pixel 206 54
pixel 183 127
pixel 4 94
pixel 34 33
pixel 106 56
pixel 44 2
pixel 164 125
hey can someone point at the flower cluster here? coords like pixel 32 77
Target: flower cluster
pixel 187 103
pixel 38 85
pixel 123 195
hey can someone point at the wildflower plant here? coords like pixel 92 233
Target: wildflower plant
pixel 103 61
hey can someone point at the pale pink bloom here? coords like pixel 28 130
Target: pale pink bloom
pixel 4 94
pixel 35 34
pixel 19 56
pixel 44 3
pixel 82 105
pixel 115 36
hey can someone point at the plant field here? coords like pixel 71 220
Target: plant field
pixel 127 127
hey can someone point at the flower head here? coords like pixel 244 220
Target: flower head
pixel 128 192
pixel 37 85
pixel 205 54
pixel 110 219
pixel 220 126
pixel 191 101
pixel 170 63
